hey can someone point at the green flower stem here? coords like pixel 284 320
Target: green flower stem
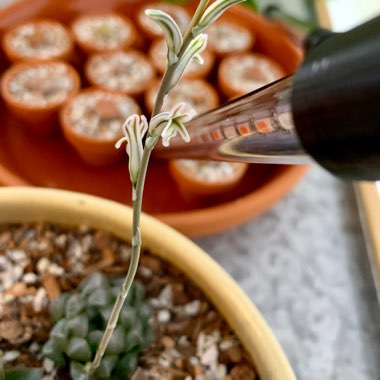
pixel 170 70
pixel 137 203
pixel 135 256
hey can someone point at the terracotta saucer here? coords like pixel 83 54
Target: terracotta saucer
pixel 26 159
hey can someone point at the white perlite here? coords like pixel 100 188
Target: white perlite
pixel 83 114
pixel 122 71
pixel 248 72
pixel 40 299
pixel 164 299
pixel 42 84
pixel 10 356
pixel 226 37
pixel 207 352
pixel 210 171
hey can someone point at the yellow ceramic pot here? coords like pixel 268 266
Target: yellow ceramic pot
pixel 18 204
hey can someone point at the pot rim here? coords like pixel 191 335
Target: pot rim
pixel 28 204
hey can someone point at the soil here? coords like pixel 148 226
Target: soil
pixel 38 262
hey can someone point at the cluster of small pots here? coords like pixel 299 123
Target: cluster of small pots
pixel 85 79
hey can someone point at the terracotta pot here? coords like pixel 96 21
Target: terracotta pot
pixel 228 36
pixel 242 73
pixel 73 209
pixel 97 149
pixel 89 47
pixel 198 94
pixel 128 72
pixel 44 28
pixel 39 118
pixel 192 184
pixel 35 161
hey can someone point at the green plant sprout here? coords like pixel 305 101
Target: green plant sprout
pixel 80 319
pixel 142 136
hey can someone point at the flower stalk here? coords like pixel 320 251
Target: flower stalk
pixel 162 124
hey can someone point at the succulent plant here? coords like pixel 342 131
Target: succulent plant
pixel 80 319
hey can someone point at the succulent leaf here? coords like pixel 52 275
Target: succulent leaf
pixel 94 281
pixel 22 374
pixel 59 334
pixel 117 342
pixel 51 352
pixel 75 338
pixel 94 338
pixel 78 325
pixel 78 371
pixel 78 349
pixel 57 307
pixel 106 367
pixel 74 305
pixel 99 297
pixel 127 364
pixel 134 340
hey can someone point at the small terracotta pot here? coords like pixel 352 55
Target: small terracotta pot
pixel 97 150
pixel 190 180
pixel 92 44
pixel 158 56
pixel 196 93
pixel 32 35
pixel 128 72
pixel 242 73
pixel 151 29
pixel 228 36
pixel 38 116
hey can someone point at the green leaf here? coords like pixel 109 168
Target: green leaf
pixel 252 4
pixel 117 342
pixel 106 367
pixel 59 335
pixel 137 294
pixel 99 297
pixel 78 349
pixel 128 316
pixel 106 312
pixel 74 305
pixel 51 352
pixel 78 371
pixel 57 307
pixel 23 374
pixel 94 281
pixel 127 364
pixel 134 340
pixel 78 325
pixel 94 338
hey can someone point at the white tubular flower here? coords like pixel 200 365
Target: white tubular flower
pixel 179 116
pixel 171 31
pixel 215 10
pixel 196 46
pixel 134 130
